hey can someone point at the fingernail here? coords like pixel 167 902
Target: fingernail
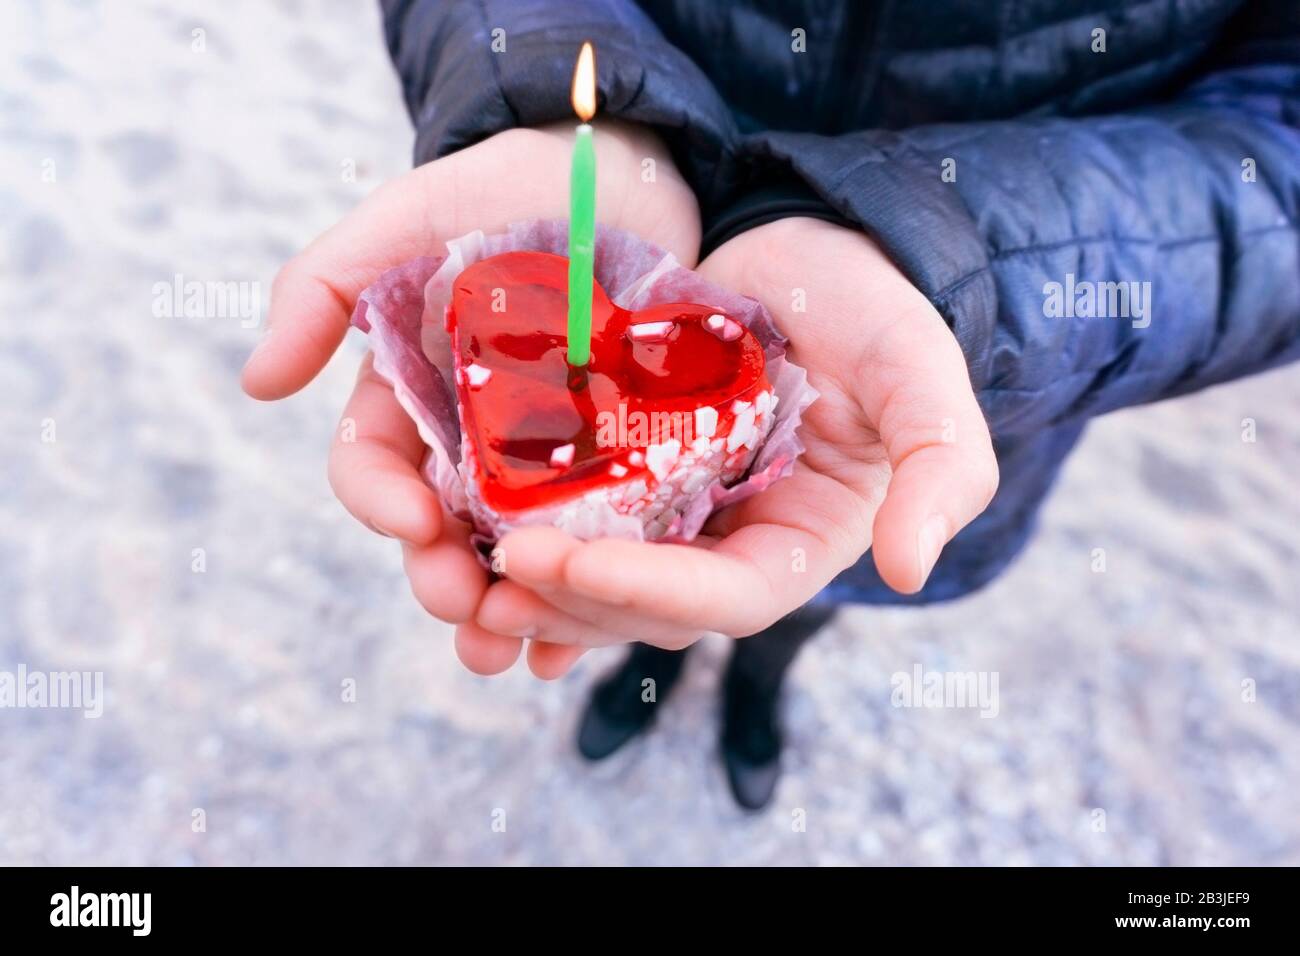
pixel 929 543
pixel 380 529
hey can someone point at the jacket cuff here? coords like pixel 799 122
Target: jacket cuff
pixel 757 207
pixel 878 182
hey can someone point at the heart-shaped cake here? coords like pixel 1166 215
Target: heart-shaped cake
pixel 674 398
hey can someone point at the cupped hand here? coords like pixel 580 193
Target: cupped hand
pixel 898 460
pixel 516 175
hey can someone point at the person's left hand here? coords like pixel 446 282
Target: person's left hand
pixel 898 460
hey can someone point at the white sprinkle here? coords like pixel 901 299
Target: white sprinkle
pixel 636 459
pixel 742 429
pixel 476 375
pixel 738 407
pixel 617 470
pixel 706 421
pixel 724 328
pixel 700 447
pixel 763 402
pixel 661 458
pixel 650 331
pixel 696 481
pixel 562 456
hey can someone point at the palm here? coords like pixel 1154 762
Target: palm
pixel 837 484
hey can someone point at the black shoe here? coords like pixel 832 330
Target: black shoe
pixel 751 742
pixel 618 709
pixel 751 733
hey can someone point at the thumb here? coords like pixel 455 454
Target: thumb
pixel 313 295
pixel 944 470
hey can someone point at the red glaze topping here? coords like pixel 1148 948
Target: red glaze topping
pixel 522 404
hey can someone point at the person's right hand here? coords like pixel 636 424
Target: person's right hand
pixel 515 175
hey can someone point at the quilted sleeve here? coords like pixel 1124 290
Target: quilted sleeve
pixel 1094 263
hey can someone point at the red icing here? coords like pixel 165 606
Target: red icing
pixel 508 315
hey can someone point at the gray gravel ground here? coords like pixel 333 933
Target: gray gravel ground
pixel 1121 693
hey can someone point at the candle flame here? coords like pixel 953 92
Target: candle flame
pixel 584 83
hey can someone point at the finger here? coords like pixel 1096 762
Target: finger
pixel 511 609
pixel 557 640
pixel 737 586
pixel 659 584
pixel 373 470
pixel 374 464
pixel 552 661
pixel 615 625
pixel 564 619
pixel 483 652
pixel 446 576
pixel 945 472
pixel 536 560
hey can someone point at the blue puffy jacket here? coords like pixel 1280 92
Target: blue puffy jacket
pixel 1023 161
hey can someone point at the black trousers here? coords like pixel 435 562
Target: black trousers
pixel 760 660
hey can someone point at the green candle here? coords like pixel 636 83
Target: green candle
pixel 582 213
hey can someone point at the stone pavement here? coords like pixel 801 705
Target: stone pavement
pixel 1120 693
